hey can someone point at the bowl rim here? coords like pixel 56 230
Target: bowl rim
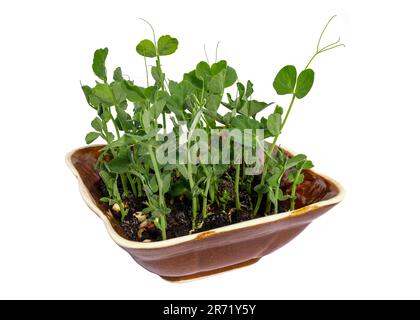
pixel 130 244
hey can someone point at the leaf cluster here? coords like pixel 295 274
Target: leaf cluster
pixel 130 118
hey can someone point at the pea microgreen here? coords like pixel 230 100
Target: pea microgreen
pixel 129 118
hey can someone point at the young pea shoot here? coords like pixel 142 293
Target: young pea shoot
pixel 287 82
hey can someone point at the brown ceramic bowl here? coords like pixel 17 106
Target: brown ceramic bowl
pixel 216 250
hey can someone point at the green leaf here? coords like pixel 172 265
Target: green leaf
pixel 274 177
pixel 295 160
pixel 227 118
pixel 175 102
pixel 307 165
pixel 133 92
pixel 241 89
pixel 252 107
pixel 285 80
pixel 272 195
pixel 103 92
pixel 220 169
pixel 264 123
pixel 166 182
pixel 97 124
pixel 182 170
pixel 157 107
pixel 203 71
pixel 167 45
pixel 105 116
pixel 304 83
pixel 118 74
pixel 119 91
pixel 110 136
pixel 149 92
pixel 146 48
pixel 213 101
pixel 218 67
pixel 281 196
pixel 157 75
pixel 107 200
pixel 217 83
pixel 244 122
pixel 249 89
pixel 154 185
pixel 230 77
pixel 98 65
pixel 179 188
pixel 91 136
pixel 278 110
pixel 87 91
pixel 146 121
pixel 274 124
pixel 119 165
pixel 107 179
pixel 300 179
pixel 123 119
pixel 261 188
pixel 192 78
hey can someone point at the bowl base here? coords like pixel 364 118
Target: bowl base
pixel 206 274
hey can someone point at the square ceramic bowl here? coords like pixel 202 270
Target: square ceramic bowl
pixel 217 250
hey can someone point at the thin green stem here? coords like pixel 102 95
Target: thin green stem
pixel 310 60
pixel 205 53
pixel 270 152
pixel 268 204
pixel 330 45
pixel 124 185
pixel 217 49
pixel 162 216
pixel 106 131
pixel 151 27
pixel 118 198
pixel 205 195
pixel 327 48
pixel 138 180
pixel 164 121
pixel 293 192
pixel 323 31
pixel 162 221
pixel 192 184
pixel 147 70
pixel 132 183
pixel 194 124
pixel 114 101
pixel 139 187
pixel 117 131
pixel 276 203
pixel 287 116
pixel 157 174
pixel 276 194
pixel 237 175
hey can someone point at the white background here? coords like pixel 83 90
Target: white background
pixel 359 125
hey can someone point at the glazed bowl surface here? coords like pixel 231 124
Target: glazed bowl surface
pixel 213 251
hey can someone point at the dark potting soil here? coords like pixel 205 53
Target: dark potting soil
pixel 179 221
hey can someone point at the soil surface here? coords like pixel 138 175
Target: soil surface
pixel 138 226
